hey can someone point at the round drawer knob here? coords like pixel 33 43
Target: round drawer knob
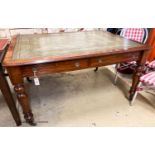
pixel 77 64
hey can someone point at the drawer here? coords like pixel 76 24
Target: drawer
pixel 55 67
pixel 94 62
pixel 113 59
pixel 70 65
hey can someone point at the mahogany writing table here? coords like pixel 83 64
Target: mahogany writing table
pixel 4 87
pixel 61 52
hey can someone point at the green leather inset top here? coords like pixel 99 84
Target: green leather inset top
pixel 45 45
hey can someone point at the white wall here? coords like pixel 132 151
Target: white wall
pixel 7 33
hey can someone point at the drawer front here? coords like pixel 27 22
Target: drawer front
pixel 113 59
pixel 70 65
pixel 55 67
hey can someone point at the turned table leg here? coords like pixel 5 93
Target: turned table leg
pixel 18 82
pixel 135 82
pixel 23 100
pixel 9 99
pixel 138 73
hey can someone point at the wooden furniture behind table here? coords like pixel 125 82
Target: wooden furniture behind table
pixel 40 54
pixel 151 42
pixel 4 87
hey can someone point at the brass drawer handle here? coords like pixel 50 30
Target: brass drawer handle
pixel 134 57
pixel 100 60
pixel 77 64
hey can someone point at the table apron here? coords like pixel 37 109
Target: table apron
pixel 77 64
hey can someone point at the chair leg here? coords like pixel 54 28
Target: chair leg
pixel 116 74
pixel 133 99
pixel 96 69
pixel 135 95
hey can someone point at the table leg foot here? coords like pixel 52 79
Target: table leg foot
pixel 29 118
pixel 18 124
pixel 28 79
pixel 131 96
pixel 96 69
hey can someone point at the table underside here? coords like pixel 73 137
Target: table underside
pixel 67 44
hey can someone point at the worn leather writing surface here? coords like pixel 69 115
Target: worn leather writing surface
pixel 44 45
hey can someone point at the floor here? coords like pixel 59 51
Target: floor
pixel 83 99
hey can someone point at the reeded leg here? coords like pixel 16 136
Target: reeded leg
pixel 23 100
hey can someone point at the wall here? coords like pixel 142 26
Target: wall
pixel 7 33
